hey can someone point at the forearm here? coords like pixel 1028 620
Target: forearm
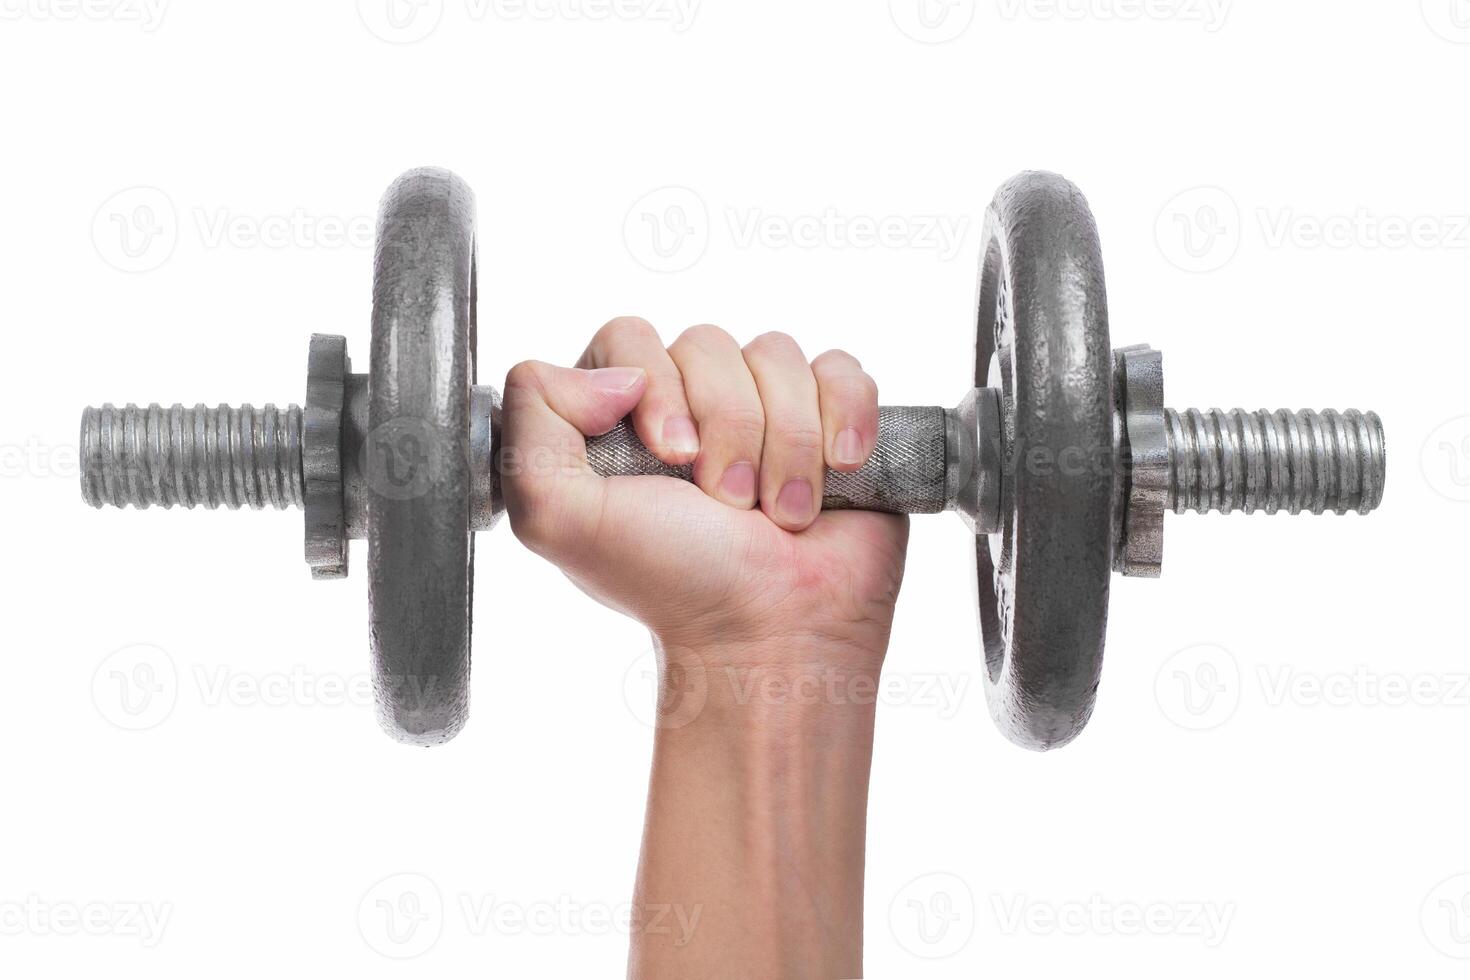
pixel 752 861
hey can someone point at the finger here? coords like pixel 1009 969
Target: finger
pixel 727 408
pixel 553 498
pixel 662 419
pixel 791 461
pixel 849 402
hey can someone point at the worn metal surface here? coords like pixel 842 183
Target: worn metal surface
pixel 419 543
pixel 486 503
pixel 973 470
pixel 321 456
pixel 1043 579
pixel 1144 465
pixel 906 474
pixel 354 449
pixel 191 457
pixel 1061 458
pixel 1275 461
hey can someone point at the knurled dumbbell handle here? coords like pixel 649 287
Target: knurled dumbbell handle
pixel 904 475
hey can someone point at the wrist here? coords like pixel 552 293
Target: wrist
pixel 760 781
pixel 781 694
pixel 785 684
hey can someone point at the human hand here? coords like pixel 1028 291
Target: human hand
pixel 743 556
pixel 760 804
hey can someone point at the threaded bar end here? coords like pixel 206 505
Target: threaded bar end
pixel 1274 461
pixel 225 456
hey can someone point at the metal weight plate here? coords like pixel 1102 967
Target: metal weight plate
pixel 1042 339
pixel 420 548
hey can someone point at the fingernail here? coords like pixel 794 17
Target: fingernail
pixel 738 484
pixel 794 502
pixel 848 447
pixel 680 436
pixel 615 378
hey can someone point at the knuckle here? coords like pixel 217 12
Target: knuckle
pixel 706 336
pixel 745 424
pixel 836 360
pixel 796 435
pixel 625 328
pixel 851 391
pixel 772 343
pixel 525 376
pixel 532 522
pixel 665 384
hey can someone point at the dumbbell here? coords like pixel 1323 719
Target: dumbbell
pixel 1062 459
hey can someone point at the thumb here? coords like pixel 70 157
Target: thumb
pixel 552 497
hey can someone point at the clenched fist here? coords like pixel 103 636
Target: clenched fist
pixel 742 556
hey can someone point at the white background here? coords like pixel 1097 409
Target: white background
pixel 1274 779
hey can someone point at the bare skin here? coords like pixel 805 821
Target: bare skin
pixel 771 620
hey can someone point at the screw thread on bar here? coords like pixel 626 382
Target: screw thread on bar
pixel 1274 461
pixel 226 456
